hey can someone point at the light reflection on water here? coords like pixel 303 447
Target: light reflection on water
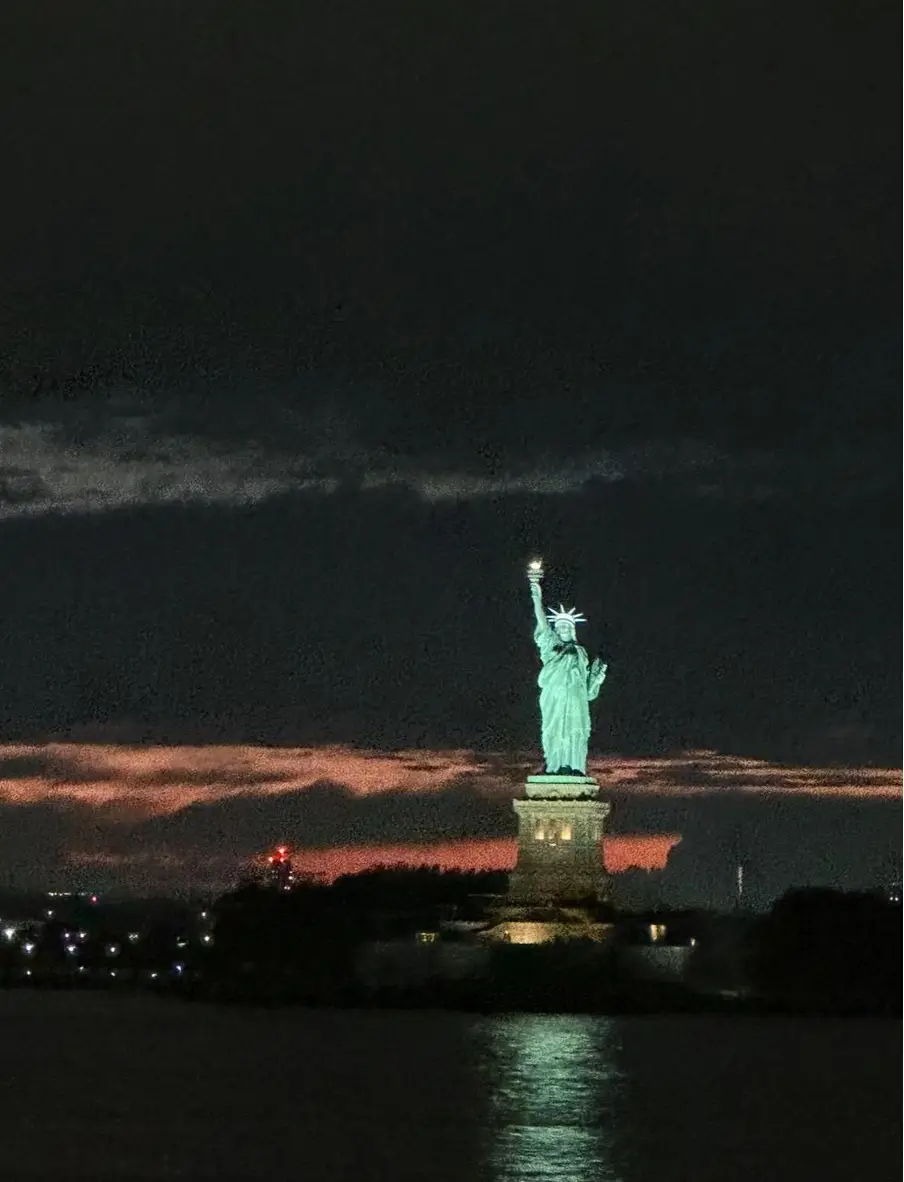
pixel 555 1095
pixel 106 1088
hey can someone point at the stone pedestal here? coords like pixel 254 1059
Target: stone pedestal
pixel 561 823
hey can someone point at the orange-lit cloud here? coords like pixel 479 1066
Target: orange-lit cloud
pixel 161 779
pixel 620 852
pixel 157 780
pixel 106 791
pixel 646 851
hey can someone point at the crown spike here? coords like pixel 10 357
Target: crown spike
pixel 571 614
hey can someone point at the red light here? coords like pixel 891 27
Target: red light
pixel 282 850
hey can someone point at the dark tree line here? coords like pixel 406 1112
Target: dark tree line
pixel 825 947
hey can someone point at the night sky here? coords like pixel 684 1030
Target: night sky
pixel 318 320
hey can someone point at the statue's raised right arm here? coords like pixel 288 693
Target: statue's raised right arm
pixel 536 595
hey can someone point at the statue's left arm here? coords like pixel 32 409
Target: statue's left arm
pixel 595 679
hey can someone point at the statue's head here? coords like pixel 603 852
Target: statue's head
pixel 565 630
pixel 563 623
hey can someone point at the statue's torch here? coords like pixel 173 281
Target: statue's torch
pixel 535 571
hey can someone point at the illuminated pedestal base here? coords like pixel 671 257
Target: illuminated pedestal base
pixel 561 823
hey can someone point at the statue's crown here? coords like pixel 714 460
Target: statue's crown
pixel 571 614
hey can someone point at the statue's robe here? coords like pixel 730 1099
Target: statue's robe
pixel 564 701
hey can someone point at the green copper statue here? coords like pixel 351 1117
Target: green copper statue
pixel 568 682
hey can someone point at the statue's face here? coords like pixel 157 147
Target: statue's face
pixel 564 629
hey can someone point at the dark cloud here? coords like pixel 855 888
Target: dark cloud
pixel 36 841
pixel 215 777
pixel 324 814
pixel 47 765
pixel 25 767
pixel 21 487
pixel 336 223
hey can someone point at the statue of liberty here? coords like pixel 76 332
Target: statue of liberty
pixel 568 682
